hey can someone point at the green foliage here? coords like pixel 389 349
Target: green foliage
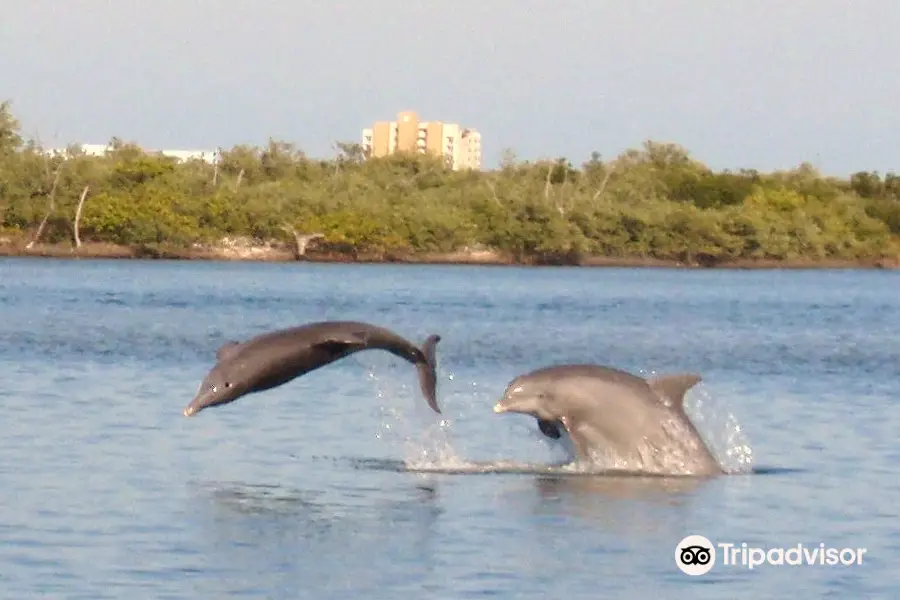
pixel 10 140
pixel 651 202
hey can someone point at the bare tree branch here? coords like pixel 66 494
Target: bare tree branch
pixel 45 157
pixel 301 241
pixel 50 208
pixel 565 188
pixel 547 182
pixel 240 178
pixel 77 220
pixel 493 192
pixel 602 187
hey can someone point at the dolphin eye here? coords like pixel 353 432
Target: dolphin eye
pixel 227 384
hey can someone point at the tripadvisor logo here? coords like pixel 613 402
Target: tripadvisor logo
pixel 696 555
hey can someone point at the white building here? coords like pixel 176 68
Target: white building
pixel 208 156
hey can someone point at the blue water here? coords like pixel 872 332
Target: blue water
pixel 107 491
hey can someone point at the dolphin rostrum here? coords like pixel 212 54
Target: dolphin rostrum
pixel 639 423
pixel 275 358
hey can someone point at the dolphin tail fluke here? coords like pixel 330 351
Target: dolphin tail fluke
pixel 672 388
pixel 428 371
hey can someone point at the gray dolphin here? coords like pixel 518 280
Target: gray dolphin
pixel 275 358
pixel 641 422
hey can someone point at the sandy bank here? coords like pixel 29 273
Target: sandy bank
pixel 236 250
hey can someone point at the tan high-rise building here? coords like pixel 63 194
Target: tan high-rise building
pixel 461 146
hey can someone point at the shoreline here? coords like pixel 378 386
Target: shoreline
pixel 275 254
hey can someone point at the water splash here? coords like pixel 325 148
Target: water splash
pixel 718 427
pixel 721 430
pixel 427 444
pixel 420 445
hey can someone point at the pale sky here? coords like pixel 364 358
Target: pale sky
pixel 740 83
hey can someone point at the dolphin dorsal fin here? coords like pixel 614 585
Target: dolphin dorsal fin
pixel 671 388
pixel 227 349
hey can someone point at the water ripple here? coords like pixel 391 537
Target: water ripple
pixel 343 483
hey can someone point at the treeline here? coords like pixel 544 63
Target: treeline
pixel 653 202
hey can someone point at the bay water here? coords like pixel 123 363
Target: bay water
pixel 344 484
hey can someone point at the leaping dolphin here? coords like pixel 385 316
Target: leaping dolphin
pixel 639 422
pixel 275 358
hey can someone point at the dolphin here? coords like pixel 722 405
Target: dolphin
pixel 640 423
pixel 275 358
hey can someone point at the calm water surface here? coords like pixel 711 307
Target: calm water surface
pixel 107 491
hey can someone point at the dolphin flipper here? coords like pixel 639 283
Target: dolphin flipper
pixel 428 371
pixel 671 388
pixel 549 428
